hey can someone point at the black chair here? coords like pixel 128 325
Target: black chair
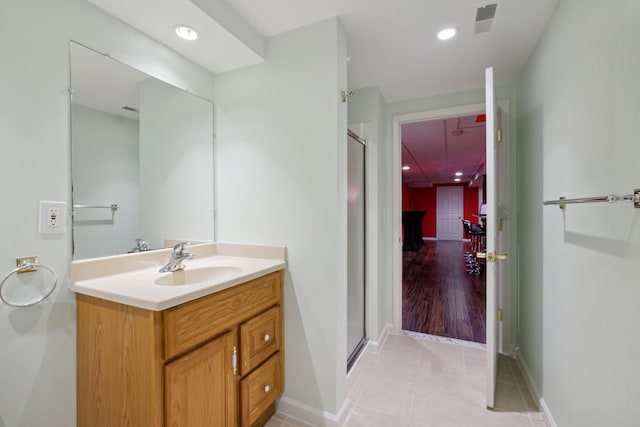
pixel 476 234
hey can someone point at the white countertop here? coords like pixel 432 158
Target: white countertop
pixel 129 279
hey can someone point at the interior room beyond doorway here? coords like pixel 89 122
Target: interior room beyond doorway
pixel 443 166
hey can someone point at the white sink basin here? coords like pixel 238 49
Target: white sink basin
pixel 197 276
pixel 133 279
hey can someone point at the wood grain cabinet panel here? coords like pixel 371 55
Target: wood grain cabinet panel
pixel 260 338
pixel 260 389
pixel 183 366
pixel 119 365
pixel 191 323
pixel 201 386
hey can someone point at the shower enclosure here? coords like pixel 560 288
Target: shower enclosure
pixel 356 208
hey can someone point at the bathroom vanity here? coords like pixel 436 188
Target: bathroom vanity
pixel 203 349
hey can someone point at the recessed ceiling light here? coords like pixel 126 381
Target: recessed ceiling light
pixel 187 33
pixel 447 33
pixel 458 173
pixel 406 168
pixel 457 180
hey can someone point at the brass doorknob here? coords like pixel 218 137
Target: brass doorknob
pixel 491 256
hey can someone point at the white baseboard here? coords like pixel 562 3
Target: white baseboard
pixel 508 349
pixel 375 345
pixel 316 417
pixel 533 388
pixel 310 415
pixel 428 238
pixel 547 413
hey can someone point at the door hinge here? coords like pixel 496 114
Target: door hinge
pixel 499 135
pixel 234 360
pixel 500 316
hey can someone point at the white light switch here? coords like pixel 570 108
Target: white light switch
pixel 53 217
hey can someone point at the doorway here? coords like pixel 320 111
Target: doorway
pixel 504 194
pixel 443 161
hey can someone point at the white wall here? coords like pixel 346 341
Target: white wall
pixel 37 355
pixel 281 179
pixel 368 105
pixel 105 170
pixel 578 113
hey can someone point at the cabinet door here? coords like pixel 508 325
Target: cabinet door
pixel 201 387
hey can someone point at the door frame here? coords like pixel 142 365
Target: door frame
pixel 505 344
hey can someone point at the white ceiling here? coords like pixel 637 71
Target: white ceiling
pixel 391 43
pixel 435 150
pixel 103 84
pixel 223 44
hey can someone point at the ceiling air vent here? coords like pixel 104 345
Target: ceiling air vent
pixel 484 18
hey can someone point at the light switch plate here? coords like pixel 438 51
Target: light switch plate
pixel 53 216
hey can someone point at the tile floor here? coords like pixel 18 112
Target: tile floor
pixel 414 381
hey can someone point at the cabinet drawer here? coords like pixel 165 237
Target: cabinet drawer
pixel 195 322
pixel 260 389
pixel 260 337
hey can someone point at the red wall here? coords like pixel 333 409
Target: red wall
pixel 424 199
pixel 406 197
pixel 471 204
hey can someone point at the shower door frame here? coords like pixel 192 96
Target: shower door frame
pixel 353 355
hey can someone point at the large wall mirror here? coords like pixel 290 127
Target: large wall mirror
pixel 141 159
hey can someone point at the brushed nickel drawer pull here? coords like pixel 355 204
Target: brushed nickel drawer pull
pixel 267 389
pixel 267 337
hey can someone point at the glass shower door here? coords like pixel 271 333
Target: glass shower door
pixel 356 336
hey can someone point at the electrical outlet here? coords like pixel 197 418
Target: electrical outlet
pixel 52 217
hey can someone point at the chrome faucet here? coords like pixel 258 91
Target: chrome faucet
pixel 176 258
pixel 141 245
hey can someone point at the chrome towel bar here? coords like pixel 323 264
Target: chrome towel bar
pixel 609 198
pixel 113 207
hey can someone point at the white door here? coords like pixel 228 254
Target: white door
pixel 491 240
pixel 449 205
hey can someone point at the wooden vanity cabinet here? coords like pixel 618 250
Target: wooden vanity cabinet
pixel 216 361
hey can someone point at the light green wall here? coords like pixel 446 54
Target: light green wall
pixel 37 355
pixel 368 105
pixel 281 179
pixel 176 165
pixel 105 170
pixel 577 129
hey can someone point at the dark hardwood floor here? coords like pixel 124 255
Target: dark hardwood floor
pixel 438 296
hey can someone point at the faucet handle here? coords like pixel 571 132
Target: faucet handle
pixel 142 244
pixel 179 248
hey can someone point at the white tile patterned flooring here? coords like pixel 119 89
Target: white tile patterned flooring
pixel 418 381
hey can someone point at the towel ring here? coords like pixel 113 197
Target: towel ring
pixel 40 297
